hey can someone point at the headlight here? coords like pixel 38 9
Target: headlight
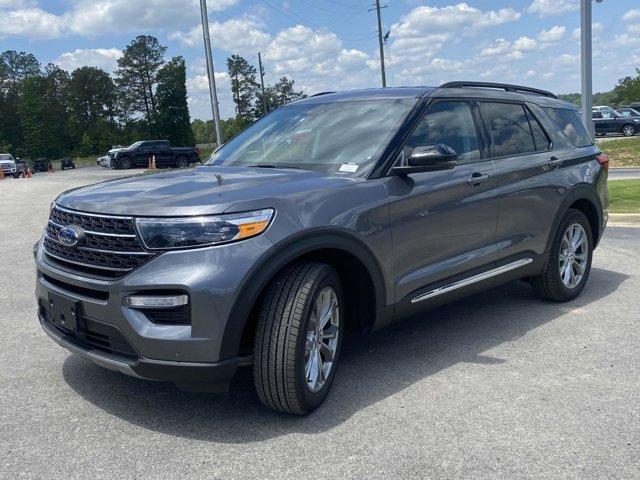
pixel 187 232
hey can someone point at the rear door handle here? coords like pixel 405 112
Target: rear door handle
pixel 555 162
pixel 477 178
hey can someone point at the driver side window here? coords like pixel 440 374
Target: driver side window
pixel 450 123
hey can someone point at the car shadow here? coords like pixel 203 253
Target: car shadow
pixel 373 368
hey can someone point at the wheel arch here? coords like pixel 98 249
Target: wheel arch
pixel 349 255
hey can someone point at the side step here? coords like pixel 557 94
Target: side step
pixel 474 279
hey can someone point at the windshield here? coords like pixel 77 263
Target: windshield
pixel 134 145
pixel 342 138
pixel 5 156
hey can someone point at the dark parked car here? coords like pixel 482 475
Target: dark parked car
pixel 628 112
pixel 610 122
pixel 340 211
pixel 41 165
pixel 67 163
pixel 139 154
pixel 21 166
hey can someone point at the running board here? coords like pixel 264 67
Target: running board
pixel 471 280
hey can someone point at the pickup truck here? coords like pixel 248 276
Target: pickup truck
pixel 139 154
pixel 8 165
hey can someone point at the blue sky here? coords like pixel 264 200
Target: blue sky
pixel 331 44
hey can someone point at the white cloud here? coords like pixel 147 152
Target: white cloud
pixel 525 44
pixel 596 29
pixel 499 47
pixel 631 15
pixel 554 34
pixel 104 58
pixel 31 23
pixel 547 8
pixel 17 3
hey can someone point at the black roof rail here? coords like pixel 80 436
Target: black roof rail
pixel 321 93
pixel 500 86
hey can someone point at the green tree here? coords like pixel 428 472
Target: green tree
pixel 243 86
pixel 43 112
pixel 173 118
pixel 203 132
pixel 15 67
pixel 92 99
pixel 270 98
pixel 136 76
pixel 285 91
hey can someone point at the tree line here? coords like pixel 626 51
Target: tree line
pixel 626 91
pixel 48 112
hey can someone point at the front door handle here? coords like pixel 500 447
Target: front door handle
pixel 477 178
pixel 555 162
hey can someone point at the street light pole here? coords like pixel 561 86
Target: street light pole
pixel 210 73
pixel 587 64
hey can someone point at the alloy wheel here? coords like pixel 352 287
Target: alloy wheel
pixel 574 255
pixel 628 131
pixel 322 339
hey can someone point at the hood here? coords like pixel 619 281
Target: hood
pixel 7 162
pixel 196 191
pixel 115 150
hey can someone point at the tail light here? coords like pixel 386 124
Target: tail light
pixel 197 151
pixel 603 159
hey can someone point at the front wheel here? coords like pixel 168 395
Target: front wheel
pixel 125 163
pixel 628 130
pixel 298 338
pixel 569 262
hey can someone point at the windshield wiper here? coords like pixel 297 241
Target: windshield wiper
pixel 272 166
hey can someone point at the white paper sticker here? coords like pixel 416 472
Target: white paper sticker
pixel 349 167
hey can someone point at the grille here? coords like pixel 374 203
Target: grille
pixel 110 247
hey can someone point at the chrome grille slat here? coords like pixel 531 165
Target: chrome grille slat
pixel 110 247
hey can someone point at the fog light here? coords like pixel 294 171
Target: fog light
pixel 161 301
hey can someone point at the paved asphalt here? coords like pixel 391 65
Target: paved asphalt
pixel 624 173
pixel 501 385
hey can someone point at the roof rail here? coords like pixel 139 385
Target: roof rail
pixel 500 86
pixel 321 93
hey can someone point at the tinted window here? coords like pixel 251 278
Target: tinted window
pixel 571 124
pixel 539 138
pixel 597 115
pixel 509 128
pixel 450 123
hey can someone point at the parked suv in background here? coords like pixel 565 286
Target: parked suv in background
pixel 612 122
pixel 8 165
pixel 628 112
pixel 139 154
pixel 340 211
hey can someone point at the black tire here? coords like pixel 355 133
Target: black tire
pixel 16 175
pixel 182 162
pixel 628 130
pixel 125 163
pixel 549 284
pixel 281 334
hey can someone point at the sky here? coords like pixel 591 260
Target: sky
pixel 328 45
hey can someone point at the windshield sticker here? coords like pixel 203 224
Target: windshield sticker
pixel 349 167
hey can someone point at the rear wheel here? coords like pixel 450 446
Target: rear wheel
pixel 628 130
pixel 569 262
pixel 182 162
pixel 298 338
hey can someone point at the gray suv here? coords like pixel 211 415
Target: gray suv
pixel 342 211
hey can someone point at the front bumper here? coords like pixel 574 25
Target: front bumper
pixel 212 277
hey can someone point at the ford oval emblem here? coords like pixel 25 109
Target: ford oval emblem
pixel 68 236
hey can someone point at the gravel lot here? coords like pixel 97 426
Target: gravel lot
pixel 500 385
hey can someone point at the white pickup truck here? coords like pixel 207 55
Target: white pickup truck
pixel 8 165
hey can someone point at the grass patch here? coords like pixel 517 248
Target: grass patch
pixel 624 196
pixel 622 153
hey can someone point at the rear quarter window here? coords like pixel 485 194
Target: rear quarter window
pixel 571 125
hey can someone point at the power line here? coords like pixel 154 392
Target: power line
pixel 364 8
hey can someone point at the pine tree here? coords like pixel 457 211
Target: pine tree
pixel 136 76
pixel 174 123
pixel 243 86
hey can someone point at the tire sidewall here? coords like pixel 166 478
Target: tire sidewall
pixel 308 399
pixel 630 134
pixel 572 216
pixel 182 162
pixel 125 163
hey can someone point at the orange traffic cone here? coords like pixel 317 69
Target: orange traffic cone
pixel 51 168
pixel 149 164
pixel 153 162
pixel 1 174
pixel 29 174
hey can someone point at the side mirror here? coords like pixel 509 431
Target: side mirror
pixel 430 158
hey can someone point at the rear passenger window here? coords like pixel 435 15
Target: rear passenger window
pixel 539 137
pixel 571 124
pixel 450 123
pixel 509 128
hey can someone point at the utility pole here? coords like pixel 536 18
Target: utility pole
pixel 264 97
pixel 587 65
pixel 384 76
pixel 210 72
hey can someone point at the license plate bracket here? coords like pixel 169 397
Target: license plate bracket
pixel 63 312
